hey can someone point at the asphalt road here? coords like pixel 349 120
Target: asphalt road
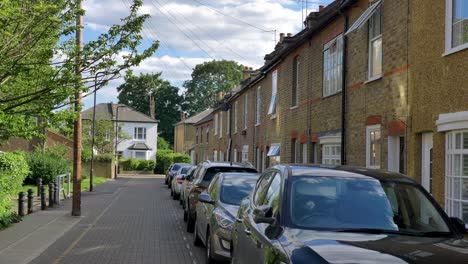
pixel 130 220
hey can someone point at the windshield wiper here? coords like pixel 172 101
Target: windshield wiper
pixel 376 231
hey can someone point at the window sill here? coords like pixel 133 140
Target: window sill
pixel 273 117
pixel 330 95
pixel 257 124
pixel 375 78
pixel 293 107
pixel 455 50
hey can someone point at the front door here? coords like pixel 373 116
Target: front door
pixel 426 161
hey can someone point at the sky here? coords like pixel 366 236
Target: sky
pixel 191 32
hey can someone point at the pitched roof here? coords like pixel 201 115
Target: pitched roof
pixel 196 118
pixel 110 111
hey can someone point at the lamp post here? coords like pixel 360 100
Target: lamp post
pixel 116 137
pixel 91 173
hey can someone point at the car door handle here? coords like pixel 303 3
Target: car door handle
pixel 247 231
pixel 239 220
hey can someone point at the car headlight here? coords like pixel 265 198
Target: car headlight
pixel 223 219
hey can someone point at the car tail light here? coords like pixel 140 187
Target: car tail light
pixel 180 181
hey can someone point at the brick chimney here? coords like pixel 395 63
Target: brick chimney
pixel 281 38
pixel 321 7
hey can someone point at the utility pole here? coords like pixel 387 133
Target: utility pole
pixel 76 202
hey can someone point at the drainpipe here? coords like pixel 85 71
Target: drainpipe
pixel 230 132
pixel 343 91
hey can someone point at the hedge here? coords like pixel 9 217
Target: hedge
pixel 13 171
pixel 46 164
pixel 164 158
pixel 137 165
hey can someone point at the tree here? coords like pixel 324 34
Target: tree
pixel 38 59
pixel 135 92
pixel 104 135
pixel 208 80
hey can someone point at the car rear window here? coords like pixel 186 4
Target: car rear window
pixel 184 170
pixel 210 173
pixel 176 167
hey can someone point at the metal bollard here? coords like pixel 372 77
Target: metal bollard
pixel 39 184
pixel 21 204
pixel 30 200
pixel 43 197
pixel 56 194
pixel 51 195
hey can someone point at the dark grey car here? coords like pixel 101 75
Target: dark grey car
pixel 216 212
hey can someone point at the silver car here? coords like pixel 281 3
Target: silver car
pixel 177 179
pixel 216 212
pixel 186 185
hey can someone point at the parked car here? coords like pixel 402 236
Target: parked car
pixel 217 210
pixel 185 185
pixel 170 174
pixel 177 180
pixel 301 214
pixel 202 178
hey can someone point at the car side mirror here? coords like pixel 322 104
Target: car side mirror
pixel 205 198
pixel 263 214
pixel 459 224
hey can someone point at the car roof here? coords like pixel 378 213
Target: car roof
pixel 239 174
pixel 210 164
pixel 345 171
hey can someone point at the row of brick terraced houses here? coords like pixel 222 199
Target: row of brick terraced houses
pixel 380 84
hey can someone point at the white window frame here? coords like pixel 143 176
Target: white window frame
pixel 220 124
pixel 235 155
pixel 295 86
pixel 221 155
pixel 236 104
pixel 215 155
pixel 141 152
pixel 333 85
pixel 246 110
pixel 372 40
pixel 274 94
pixel 216 124
pixel 294 143
pixel 330 158
pixel 207 134
pixel 369 130
pixel 304 154
pixel 449 49
pixel 137 133
pixel 454 180
pixel 245 153
pixel 258 106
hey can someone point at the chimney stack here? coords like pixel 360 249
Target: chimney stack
pixel 321 7
pixel 289 35
pixel 182 116
pixel 152 106
pixel 246 73
pixel 281 38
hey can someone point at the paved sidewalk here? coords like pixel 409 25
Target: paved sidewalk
pixel 130 220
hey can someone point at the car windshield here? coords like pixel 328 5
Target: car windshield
pixel 184 170
pixel 211 172
pixel 234 189
pixel 347 204
pixel 176 167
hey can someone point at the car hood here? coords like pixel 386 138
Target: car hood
pixel 304 246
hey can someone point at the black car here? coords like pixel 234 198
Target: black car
pixel 202 178
pixel 313 214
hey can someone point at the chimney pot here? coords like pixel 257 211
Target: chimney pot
pixel 321 7
pixel 289 35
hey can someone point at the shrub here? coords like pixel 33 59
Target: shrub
pixel 164 158
pixel 86 154
pixel 146 165
pixel 137 165
pixel 104 157
pixel 13 171
pixel 46 164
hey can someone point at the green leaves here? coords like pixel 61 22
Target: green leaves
pixel 208 80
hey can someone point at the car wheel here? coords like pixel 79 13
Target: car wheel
pixel 180 200
pixel 209 252
pixel 190 222
pixel 233 258
pixel 168 184
pixel 175 196
pixel 185 215
pixel 196 238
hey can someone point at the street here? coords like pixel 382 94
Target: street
pixel 130 220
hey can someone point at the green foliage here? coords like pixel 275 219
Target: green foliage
pixel 168 103
pixel 13 171
pixel 9 219
pixel 164 158
pixel 104 135
pixel 86 154
pixel 108 157
pixel 38 61
pixel 137 165
pixel 163 144
pixel 46 164
pixel 209 79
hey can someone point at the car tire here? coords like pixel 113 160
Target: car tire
pixel 185 215
pixel 180 200
pixel 175 196
pixel 209 250
pixel 196 238
pixel 190 222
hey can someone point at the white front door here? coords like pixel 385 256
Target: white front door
pixel 426 160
